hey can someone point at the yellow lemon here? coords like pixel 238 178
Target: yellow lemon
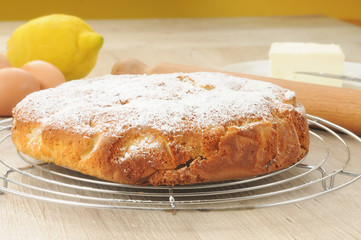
pixel 65 41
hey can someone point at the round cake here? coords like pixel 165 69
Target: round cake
pixel 164 129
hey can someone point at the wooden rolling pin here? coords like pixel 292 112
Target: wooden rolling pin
pixel 341 106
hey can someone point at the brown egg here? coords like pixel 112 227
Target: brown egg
pixel 4 62
pixel 15 84
pixel 129 66
pixel 45 73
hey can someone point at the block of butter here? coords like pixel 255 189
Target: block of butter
pixel 286 58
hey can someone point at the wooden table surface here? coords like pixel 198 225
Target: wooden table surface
pixel 212 43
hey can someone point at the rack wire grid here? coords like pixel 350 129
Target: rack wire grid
pixel 323 170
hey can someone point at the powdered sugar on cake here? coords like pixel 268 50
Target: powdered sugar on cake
pixel 164 102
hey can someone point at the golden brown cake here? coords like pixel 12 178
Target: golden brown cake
pixel 164 129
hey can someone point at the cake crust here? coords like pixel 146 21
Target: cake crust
pixel 164 129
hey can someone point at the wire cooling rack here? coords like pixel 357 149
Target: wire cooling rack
pixel 328 166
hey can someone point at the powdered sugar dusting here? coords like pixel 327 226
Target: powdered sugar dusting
pixel 165 102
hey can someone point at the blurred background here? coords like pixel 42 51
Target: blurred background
pixel 347 10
